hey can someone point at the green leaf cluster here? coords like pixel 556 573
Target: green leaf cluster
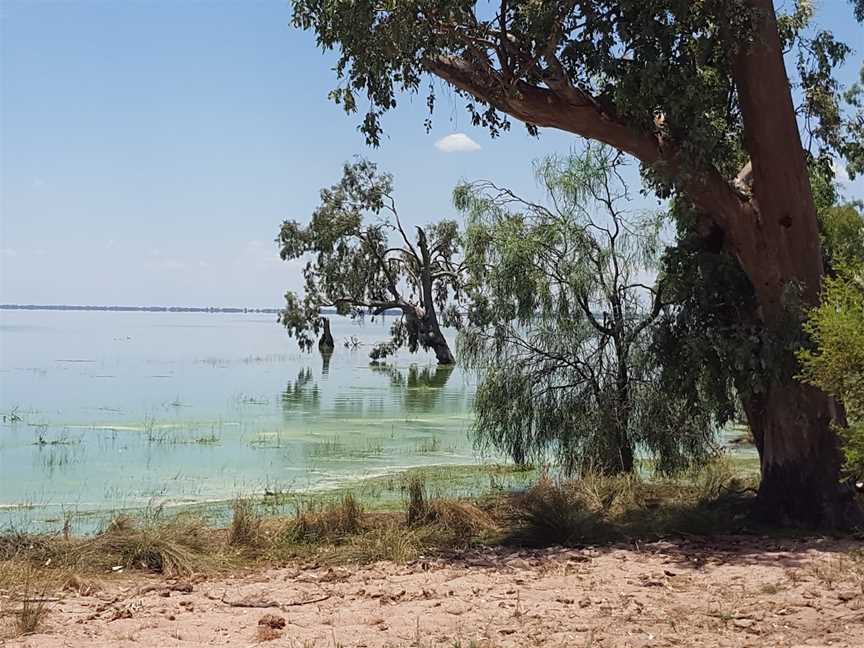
pixel 835 360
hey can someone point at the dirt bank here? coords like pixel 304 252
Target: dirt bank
pixel 732 591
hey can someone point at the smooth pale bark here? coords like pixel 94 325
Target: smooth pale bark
pixel 768 220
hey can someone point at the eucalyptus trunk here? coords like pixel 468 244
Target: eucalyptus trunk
pixel 776 239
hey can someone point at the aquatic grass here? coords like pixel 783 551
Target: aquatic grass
pixel 154 433
pixel 268 440
pixel 331 447
pixel 427 446
pixel 12 416
pixel 63 439
pixel 207 439
pixel 244 399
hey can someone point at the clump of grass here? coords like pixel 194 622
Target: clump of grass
pixel 557 513
pixel 332 522
pixel 15 544
pixel 609 495
pixel 245 529
pixel 175 547
pixel 714 479
pixel 30 589
pixel 417 509
pixel 387 540
pixel 598 508
pixel 453 520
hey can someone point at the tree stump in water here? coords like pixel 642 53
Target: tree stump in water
pixel 326 344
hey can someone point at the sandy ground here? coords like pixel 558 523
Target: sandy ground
pixel 727 592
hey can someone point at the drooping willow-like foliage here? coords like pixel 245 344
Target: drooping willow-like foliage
pixel 561 307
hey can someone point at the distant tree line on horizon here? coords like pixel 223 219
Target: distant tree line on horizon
pixel 149 309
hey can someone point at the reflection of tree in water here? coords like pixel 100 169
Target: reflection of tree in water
pixel 325 362
pixel 420 387
pixel 301 393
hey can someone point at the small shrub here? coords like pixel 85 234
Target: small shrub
pixel 835 364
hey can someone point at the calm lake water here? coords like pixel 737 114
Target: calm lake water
pixel 123 409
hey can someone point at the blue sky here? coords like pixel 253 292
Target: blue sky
pixel 150 150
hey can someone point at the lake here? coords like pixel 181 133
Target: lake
pixel 114 410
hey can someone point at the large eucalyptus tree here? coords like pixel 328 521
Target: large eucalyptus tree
pixel 698 92
pixel 362 261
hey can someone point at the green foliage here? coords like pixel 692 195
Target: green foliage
pixel 711 345
pixel 835 364
pixel 706 342
pixel 354 265
pixel 559 319
pixel 664 67
pixel 843 234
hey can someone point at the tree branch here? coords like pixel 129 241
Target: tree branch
pixel 579 113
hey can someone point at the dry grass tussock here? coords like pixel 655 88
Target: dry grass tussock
pixel 174 547
pixel 24 597
pixel 457 521
pixel 246 528
pixel 600 508
pixel 331 522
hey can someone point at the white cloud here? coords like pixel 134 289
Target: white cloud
pixel 457 143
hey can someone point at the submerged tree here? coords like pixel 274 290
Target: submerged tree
pixel 357 269
pixel 699 93
pixel 561 305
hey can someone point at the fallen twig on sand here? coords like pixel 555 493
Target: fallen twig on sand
pixel 250 602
